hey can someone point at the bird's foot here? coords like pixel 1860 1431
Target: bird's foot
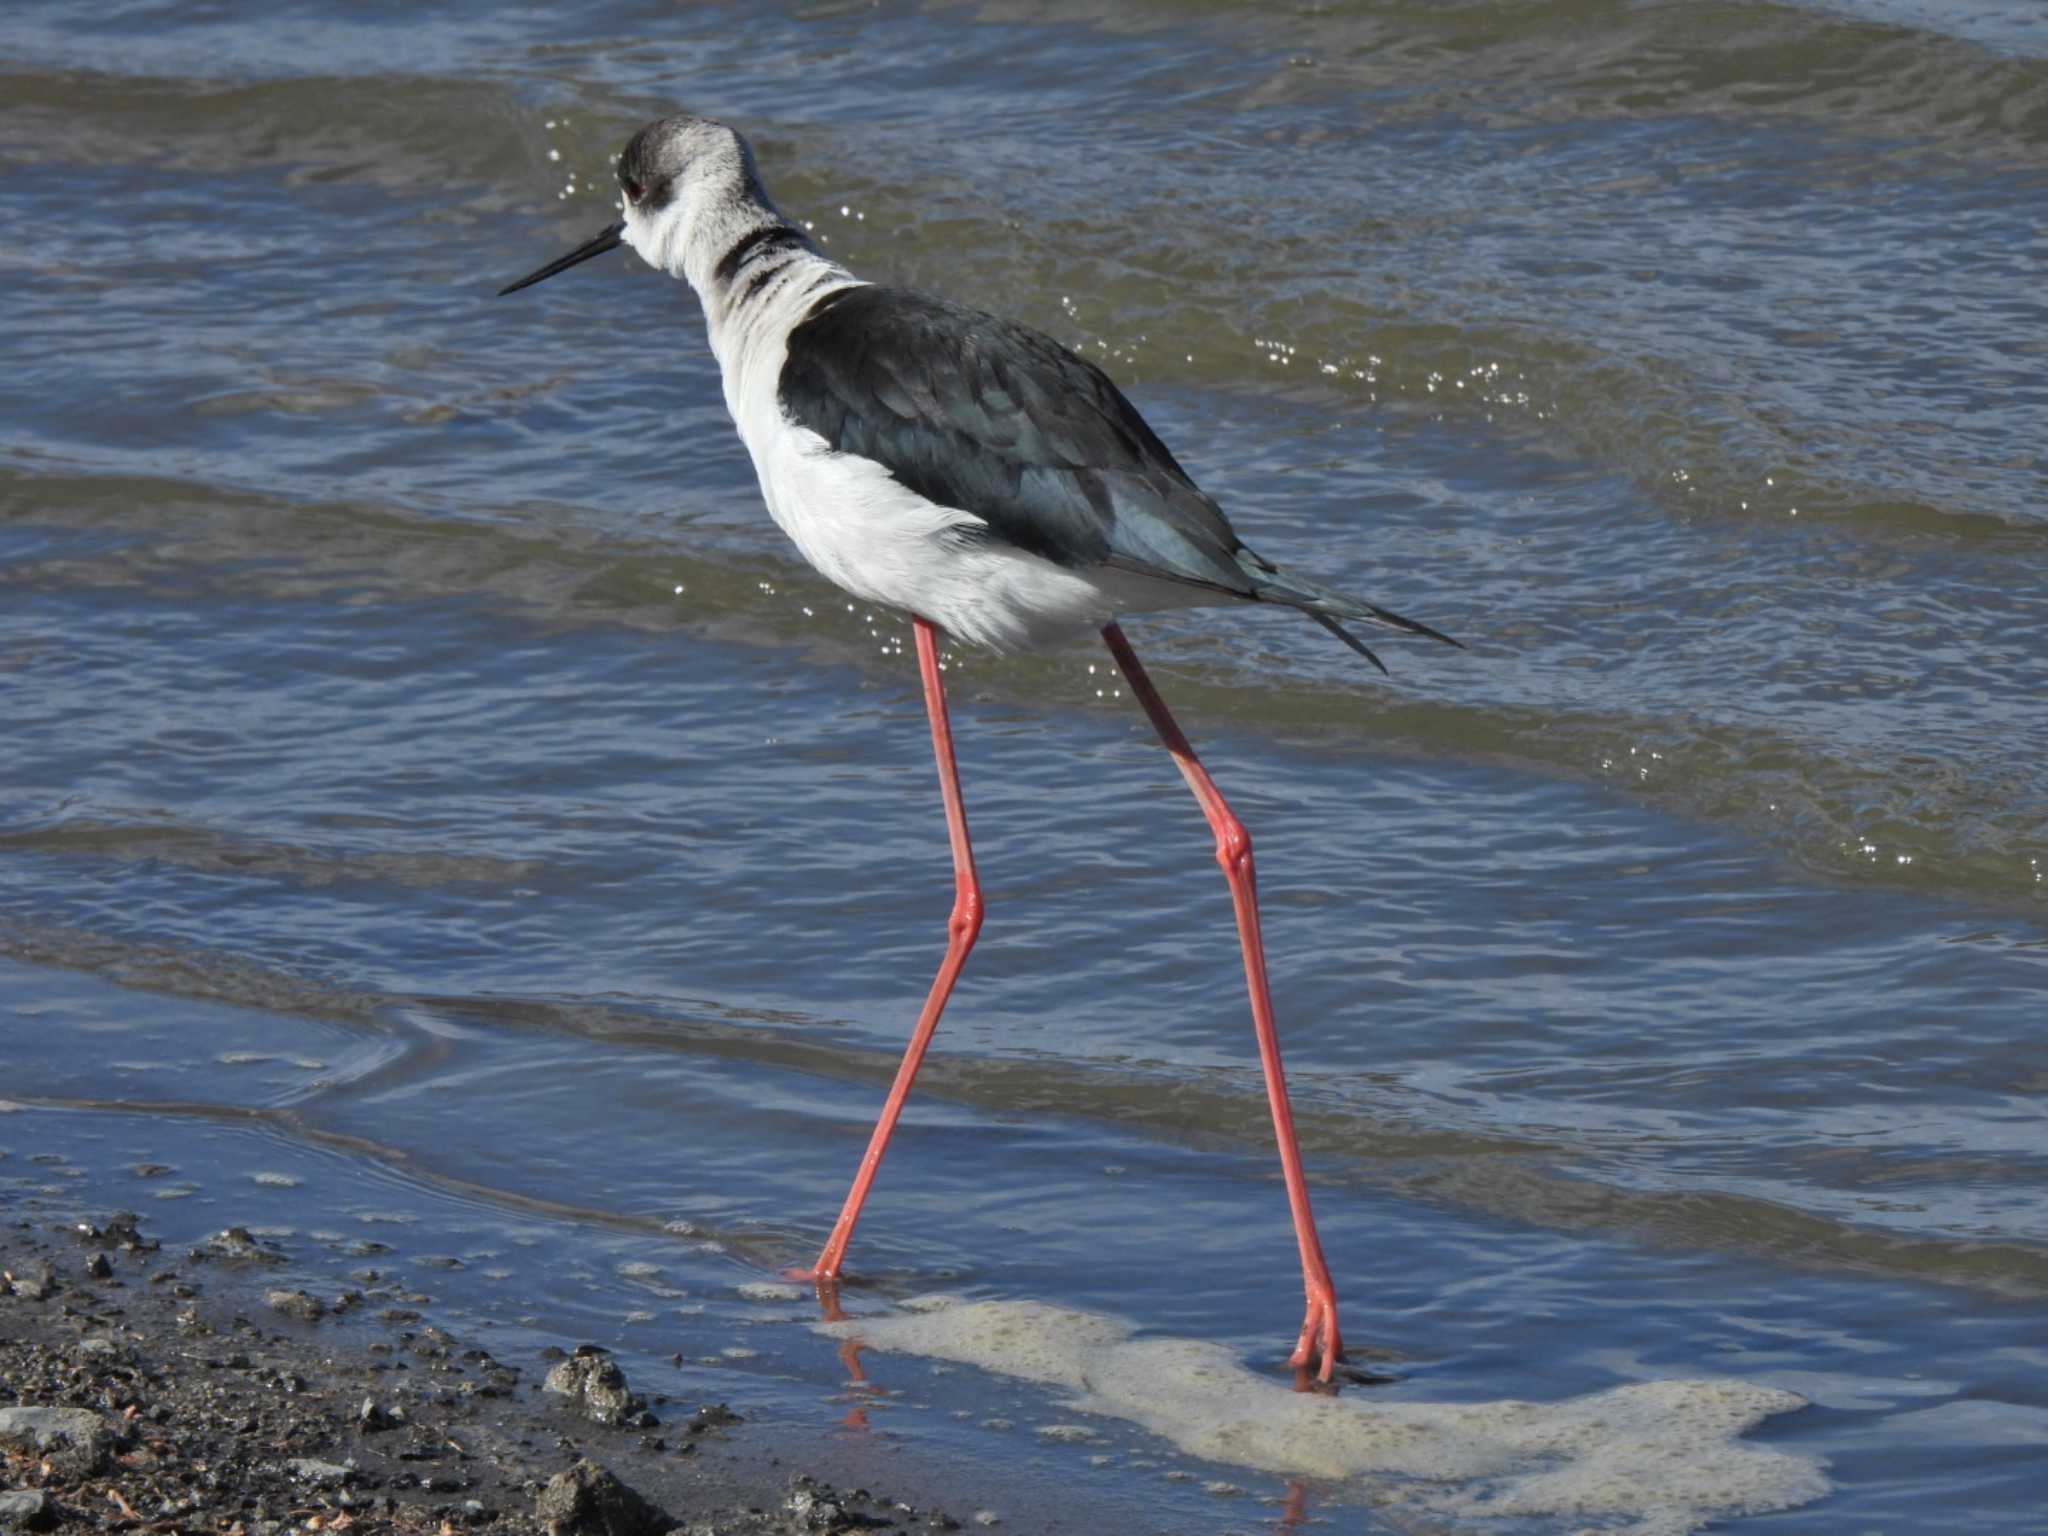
pixel 1321 1346
pixel 826 1283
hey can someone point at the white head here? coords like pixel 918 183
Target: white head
pixel 689 184
pixel 689 188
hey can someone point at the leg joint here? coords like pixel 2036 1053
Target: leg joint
pixel 1233 846
pixel 964 926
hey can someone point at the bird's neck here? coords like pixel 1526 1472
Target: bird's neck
pixel 756 274
pixel 738 250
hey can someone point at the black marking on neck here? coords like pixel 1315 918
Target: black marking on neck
pixel 761 279
pixel 755 242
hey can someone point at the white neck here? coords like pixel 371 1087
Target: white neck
pixel 755 273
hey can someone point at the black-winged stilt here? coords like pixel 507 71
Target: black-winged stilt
pixel 980 477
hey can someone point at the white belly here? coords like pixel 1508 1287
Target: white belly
pixel 886 544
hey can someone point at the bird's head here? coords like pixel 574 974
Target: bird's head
pixel 679 179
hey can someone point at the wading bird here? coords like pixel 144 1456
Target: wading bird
pixel 978 476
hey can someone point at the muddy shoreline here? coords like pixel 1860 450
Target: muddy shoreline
pixel 160 1387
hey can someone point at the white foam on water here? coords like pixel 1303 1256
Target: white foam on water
pixel 770 1290
pixel 1654 1458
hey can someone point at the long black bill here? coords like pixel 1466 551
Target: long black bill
pixel 597 245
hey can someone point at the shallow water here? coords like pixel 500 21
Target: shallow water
pixel 431 777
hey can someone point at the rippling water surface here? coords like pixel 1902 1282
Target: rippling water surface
pixel 431 780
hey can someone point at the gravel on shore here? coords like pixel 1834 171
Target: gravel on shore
pixel 146 1390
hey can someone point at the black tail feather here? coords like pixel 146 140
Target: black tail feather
pixel 1326 606
pixel 1408 626
pixel 1352 640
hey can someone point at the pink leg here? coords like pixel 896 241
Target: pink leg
pixel 961 929
pixel 1320 1345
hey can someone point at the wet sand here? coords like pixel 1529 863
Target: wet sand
pixel 201 1388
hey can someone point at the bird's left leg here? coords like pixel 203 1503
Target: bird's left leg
pixel 961 928
pixel 1320 1345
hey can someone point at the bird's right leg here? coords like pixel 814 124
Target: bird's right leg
pixel 1320 1345
pixel 961 929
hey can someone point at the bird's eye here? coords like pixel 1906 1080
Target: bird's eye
pixel 633 190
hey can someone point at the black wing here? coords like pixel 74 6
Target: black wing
pixel 975 412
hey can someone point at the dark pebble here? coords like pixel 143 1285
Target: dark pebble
pixel 238 1245
pixel 299 1304
pixel 596 1387
pixel 121 1230
pixel 373 1417
pixel 712 1416
pixel 74 1439
pixel 33 1280
pixel 26 1509
pixel 587 1500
